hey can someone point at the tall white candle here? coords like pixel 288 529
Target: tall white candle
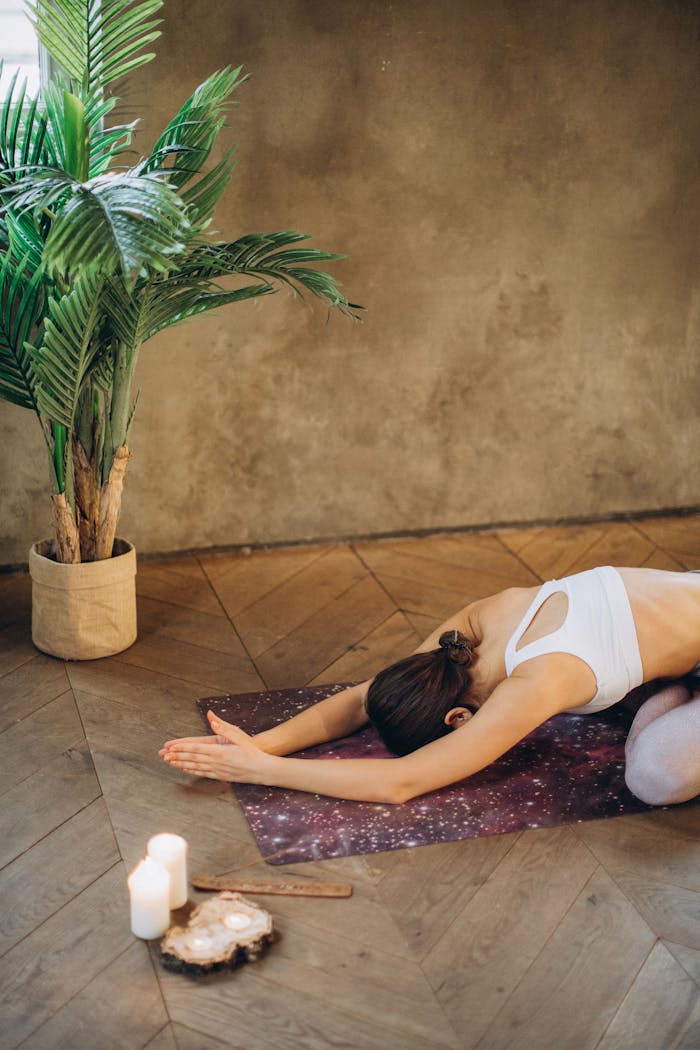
pixel 149 890
pixel 171 852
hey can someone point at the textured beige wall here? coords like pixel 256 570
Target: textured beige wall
pixel 518 188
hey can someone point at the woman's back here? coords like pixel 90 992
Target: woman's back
pixel 665 608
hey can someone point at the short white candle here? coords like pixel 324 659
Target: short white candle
pixel 149 890
pixel 171 852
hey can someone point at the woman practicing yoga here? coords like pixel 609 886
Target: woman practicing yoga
pixel 489 676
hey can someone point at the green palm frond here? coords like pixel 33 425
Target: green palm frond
pixel 21 310
pixel 170 310
pixel 202 197
pixel 118 221
pixel 24 238
pixel 22 130
pixel 96 41
pixel 186 143
pixel 66 353
pixel 138 316
pixel 105 144
pixel 268 255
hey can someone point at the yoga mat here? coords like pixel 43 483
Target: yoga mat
pixel 568 770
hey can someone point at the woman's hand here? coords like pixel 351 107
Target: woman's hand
pixel 230 755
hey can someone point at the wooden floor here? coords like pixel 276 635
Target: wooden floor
pixel 575 937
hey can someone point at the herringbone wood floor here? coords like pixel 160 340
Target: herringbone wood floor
pixel 575 937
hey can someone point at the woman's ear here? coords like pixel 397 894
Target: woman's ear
pixel 457 717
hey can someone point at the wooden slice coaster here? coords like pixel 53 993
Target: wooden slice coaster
pixel 222 933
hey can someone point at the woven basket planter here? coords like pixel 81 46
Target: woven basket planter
pixel 84 611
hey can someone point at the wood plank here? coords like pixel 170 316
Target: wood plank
pixel 119 1009
pixel 167 1039
pixel 480 551
pixel 210 670
pixel 16 646
pixel 15 598
pixel 45 970
pixel 395 562
pixel 413 596
pixel 661 1009
pixel 620 544
pixel 325 636
pixel 54 871
pixel 660 559
pixel 687 958
pixel 362 920
pixel 188 1039
pixel 517 538
pixel 168 582
pixel 579 978
pixel 30 744
pixel 420 886
pixel 27 688
pixel 241 579
pixel 163 620
pixel 45 800
pixel 652 849
pixel 392 640
pixel 550 552
pixel 680 536
pixel 496 936
pixel 672 912
pixel 132 686
pixel 285 609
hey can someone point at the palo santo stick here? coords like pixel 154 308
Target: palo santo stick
pixel 282 889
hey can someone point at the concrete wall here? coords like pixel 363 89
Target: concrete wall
pixel 517 185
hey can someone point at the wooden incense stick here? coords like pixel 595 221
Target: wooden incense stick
pixel 281 888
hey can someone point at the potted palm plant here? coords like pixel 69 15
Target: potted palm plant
pixel 98 255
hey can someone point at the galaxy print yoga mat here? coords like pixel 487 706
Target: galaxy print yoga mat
pixel 569 770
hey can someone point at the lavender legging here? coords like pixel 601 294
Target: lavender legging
pixel 662 751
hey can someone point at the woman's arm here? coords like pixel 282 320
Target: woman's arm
pixel 336 716
pixel 516 707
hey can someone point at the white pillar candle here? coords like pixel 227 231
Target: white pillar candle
pixel 149 890
pixel 171 852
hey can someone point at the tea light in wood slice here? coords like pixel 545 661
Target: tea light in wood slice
pixel 236 921
pixel 149 891
pixel 171 852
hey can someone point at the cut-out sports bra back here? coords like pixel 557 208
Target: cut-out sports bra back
pixel 598 628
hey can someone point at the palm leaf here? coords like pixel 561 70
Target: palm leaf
pixel 186 142
pixel 185 145
pixel 66 353
pixel 119 221
pixel 22 130
pixel 21 303
pixel 137 316
pixel 96 41
pixel 268 255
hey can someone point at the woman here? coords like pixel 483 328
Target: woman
pixel 489 676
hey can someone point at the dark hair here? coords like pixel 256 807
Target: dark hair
pixel 408 701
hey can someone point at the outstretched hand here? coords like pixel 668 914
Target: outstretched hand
pixel 228 755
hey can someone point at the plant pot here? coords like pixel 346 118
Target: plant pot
pixel 83 611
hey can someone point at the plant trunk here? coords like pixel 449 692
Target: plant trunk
pixel 110 504
pixel 67 538
pixel 87 501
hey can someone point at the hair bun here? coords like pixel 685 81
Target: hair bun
pixel 457 647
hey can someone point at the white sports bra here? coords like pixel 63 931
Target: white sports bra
pixel 598 628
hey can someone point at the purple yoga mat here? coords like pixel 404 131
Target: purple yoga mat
pixel 569 770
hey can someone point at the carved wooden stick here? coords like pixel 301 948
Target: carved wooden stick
pixel 282 889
